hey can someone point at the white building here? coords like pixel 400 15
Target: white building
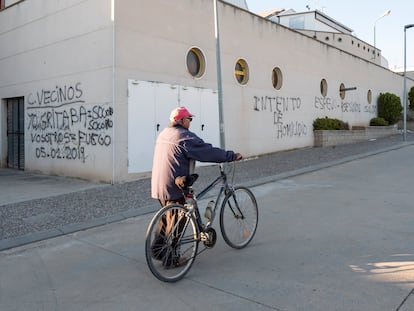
pixel 320 26
pixel 239 3
pixel 86 85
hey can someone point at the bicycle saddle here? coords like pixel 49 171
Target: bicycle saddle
pixel 184 182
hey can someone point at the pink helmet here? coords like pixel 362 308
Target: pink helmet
pixel 180 113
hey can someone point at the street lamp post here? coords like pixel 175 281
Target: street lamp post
pixel 386 13
pixel 219 82
pixel 405 81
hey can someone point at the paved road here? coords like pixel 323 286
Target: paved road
pixel 34 207
pixel 334 238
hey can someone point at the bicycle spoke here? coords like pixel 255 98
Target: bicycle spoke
pixel 173 235
pixel 171 244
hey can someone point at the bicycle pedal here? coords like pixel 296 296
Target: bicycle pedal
pixel 203 236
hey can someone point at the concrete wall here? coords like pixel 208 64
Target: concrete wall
pixel 49 48
pixel 58 56
pixel 258 118
pixel 343 137
pixel 347 43
pixel 150 50
pixel 264 119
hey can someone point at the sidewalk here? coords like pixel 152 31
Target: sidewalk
pixel 335 238
pixel 34 207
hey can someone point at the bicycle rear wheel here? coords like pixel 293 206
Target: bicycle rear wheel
pixel 171 243
pixel 238 217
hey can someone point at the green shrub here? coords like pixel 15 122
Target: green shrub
pixel 411 98
pixel 378 122
pixel 329 124
pixel 389 107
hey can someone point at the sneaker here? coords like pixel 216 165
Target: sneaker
pixel 182 261
pixel 178 262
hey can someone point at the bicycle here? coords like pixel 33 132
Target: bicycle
pixel 170 252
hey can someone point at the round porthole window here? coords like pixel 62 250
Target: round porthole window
pixel 369 96
pixel 241 71
pixel 196 63
pixel 277 78
pixel 342 91
pixel 324 87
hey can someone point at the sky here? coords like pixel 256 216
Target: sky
pixel 361 16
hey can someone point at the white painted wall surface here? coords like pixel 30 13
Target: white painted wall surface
pixel 149 107
pixel 46 45
pixel 58 56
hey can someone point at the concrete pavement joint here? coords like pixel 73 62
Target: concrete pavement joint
pixel 405 300
pixel 237 296
pixel 104 249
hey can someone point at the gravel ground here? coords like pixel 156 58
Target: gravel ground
pixel 33 220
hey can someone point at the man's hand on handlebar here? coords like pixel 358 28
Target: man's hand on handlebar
pixel 238 157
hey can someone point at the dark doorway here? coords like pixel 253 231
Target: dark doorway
pixel 15 133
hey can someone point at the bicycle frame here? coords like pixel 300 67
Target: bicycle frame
pixel 178 245
pixel 223 189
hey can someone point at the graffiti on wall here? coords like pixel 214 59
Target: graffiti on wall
pixel 329 104
pixel 62 125
pixel 369 108
pixel 279 106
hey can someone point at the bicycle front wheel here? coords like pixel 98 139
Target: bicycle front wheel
pixel 238 217
pixel 171 243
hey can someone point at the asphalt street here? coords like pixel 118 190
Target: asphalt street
pixel 34 207
pixel 336 236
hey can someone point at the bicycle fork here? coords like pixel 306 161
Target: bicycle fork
pixel 234 204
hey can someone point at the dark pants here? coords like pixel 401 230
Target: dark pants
pixel 170 219
pixel 164 228
pixel 180 201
